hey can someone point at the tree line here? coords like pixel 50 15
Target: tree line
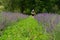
pixel 25 6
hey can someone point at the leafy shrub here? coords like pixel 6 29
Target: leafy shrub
pixel 27 29
pixel 1 8
pixel 37 9
pixel 27 11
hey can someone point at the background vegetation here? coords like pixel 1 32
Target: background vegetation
pixel 25 6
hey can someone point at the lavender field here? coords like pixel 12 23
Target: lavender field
pixel 9 17
pixel 49 21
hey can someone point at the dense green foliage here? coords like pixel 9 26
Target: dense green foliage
pixel 26 6
pixel 27 29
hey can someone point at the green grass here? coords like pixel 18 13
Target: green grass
pixel 57 32
pixel 27 29
pixel 57 36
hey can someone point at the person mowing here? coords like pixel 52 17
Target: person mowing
pixel 33 13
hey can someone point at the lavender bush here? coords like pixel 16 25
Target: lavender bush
pixel 9 17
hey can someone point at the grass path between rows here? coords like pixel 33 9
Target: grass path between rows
pixel 27 29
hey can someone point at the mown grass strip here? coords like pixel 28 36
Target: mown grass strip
pixel 27 29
